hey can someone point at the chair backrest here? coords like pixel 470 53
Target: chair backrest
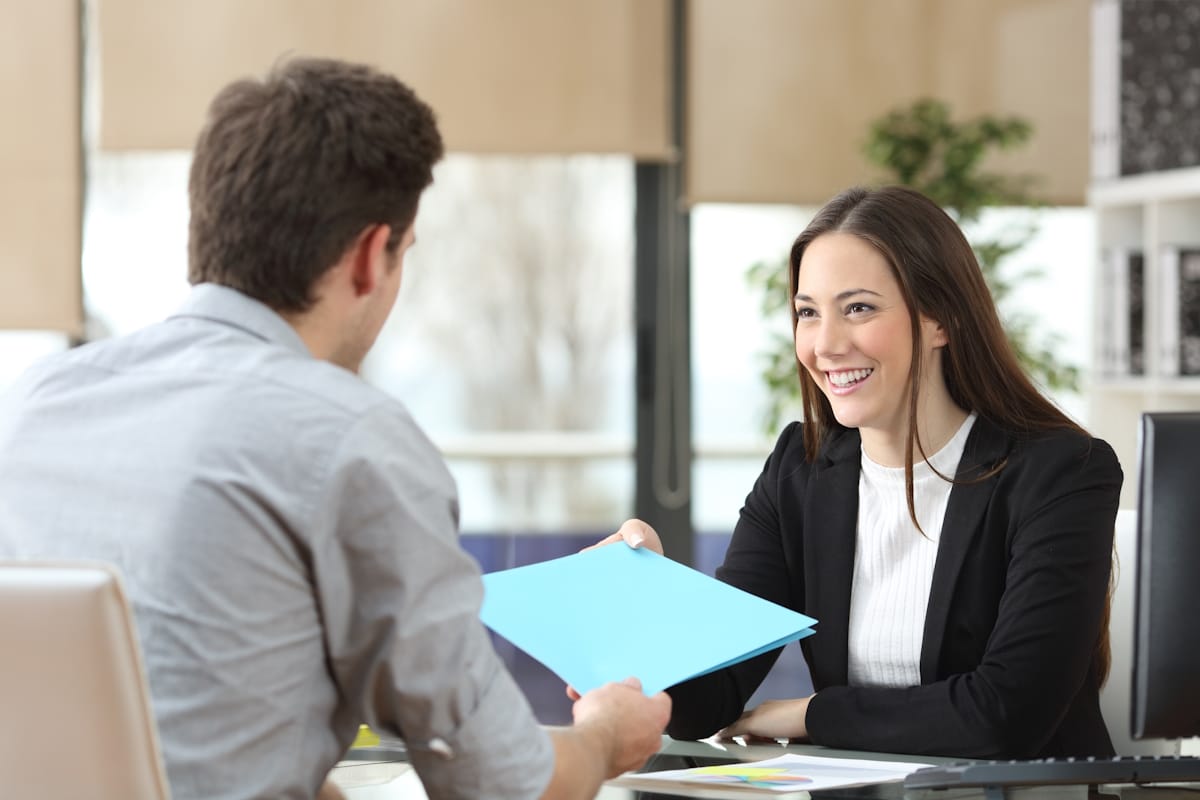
pixel 1114 697
pixel 75 716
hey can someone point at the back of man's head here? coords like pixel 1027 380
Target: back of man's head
pixel 288 170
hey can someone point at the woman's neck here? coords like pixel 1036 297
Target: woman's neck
pixel 938 419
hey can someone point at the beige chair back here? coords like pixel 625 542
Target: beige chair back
pixel 75 716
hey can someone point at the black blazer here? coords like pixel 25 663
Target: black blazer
pixel 1015 609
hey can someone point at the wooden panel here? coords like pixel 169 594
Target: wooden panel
pixel 40 166
pixel 521 76
pixel 781 92
pixel 1030 58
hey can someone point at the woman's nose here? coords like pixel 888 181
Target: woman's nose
pixel 830 338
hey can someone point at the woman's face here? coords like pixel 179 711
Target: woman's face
pixel 853 334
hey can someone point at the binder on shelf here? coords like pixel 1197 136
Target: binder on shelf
pixel 1179 320
pixel 1105 347
pixel 1135 272
pixel 1122 330
pixel 1117 330
pixel 1189 312
pixel 1168 318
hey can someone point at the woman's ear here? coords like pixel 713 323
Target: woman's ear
pixel 934 333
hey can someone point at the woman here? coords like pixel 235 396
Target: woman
pixel 950 529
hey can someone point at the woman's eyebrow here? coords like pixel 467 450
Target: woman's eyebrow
pixel 846 295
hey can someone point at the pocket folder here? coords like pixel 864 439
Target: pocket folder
pixel 613 612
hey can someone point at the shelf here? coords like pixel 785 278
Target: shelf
pixel 1133 190
pixel 1183 385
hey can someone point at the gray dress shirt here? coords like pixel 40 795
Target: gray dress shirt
pixel 288 537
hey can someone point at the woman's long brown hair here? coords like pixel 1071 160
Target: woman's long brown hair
pixel 940 279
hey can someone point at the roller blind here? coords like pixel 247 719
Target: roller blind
pixel 40 166
pixel 781 92
pixel 518 76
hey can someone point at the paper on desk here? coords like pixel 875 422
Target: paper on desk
pixel 609 613
pixel 787 773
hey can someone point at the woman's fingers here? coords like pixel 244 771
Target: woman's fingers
pixel 634 533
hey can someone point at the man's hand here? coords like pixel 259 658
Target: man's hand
pixel 774 719
pixel 617 728
pixel 330 791
pixel 634 533
pixel 629 723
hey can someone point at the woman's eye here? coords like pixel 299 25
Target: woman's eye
pixel 858 308
pixel 805 313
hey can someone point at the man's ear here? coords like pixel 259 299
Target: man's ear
pixel 369 258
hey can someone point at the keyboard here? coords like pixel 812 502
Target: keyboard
pixel 1041 772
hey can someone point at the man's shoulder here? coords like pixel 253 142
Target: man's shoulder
pixel 214 371
pixel 225 356
pixel 323 383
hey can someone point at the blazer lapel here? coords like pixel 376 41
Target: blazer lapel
pixel 831 525
pixel 985 446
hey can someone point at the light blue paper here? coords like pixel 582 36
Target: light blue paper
pixel 614 612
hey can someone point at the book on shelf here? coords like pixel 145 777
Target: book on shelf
pixel 1122 330
pixel 1179 317
pixel 1135 280
pixel 1106 305
pixel 1168 321
pixel 1189 312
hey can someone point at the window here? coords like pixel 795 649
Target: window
pixel 511 341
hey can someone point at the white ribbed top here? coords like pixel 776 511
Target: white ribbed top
pixel 893 565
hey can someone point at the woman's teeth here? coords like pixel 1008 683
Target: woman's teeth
pixel 848 377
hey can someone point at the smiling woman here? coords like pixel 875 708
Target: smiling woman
pixel 948 527
pixel 853 337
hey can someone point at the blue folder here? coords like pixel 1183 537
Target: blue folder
pixel 613 612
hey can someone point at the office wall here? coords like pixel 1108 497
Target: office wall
pixel 518 76
pixel 40 166
pixel 781 92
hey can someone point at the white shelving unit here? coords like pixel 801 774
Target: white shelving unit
pixel 1151 212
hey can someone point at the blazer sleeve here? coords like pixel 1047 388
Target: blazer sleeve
pixel 1054 507
pixel 755 562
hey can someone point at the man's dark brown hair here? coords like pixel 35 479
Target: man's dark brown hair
pixel 288 170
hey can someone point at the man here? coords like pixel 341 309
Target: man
pixel 287 534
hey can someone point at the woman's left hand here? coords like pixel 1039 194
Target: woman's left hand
pixel 774 719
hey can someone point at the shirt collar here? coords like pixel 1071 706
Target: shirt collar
pixel 228 306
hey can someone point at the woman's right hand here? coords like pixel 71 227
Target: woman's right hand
pixel 634 533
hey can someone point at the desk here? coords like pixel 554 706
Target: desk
pixel 381 774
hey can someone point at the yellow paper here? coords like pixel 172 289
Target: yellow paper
pixel 366 737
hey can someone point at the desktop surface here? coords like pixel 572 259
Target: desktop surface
pixel 366 770
pixel 369 764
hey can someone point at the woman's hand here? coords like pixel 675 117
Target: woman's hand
pixel 634 533
pixel 774 719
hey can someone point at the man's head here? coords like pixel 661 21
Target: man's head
pixel 291 171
